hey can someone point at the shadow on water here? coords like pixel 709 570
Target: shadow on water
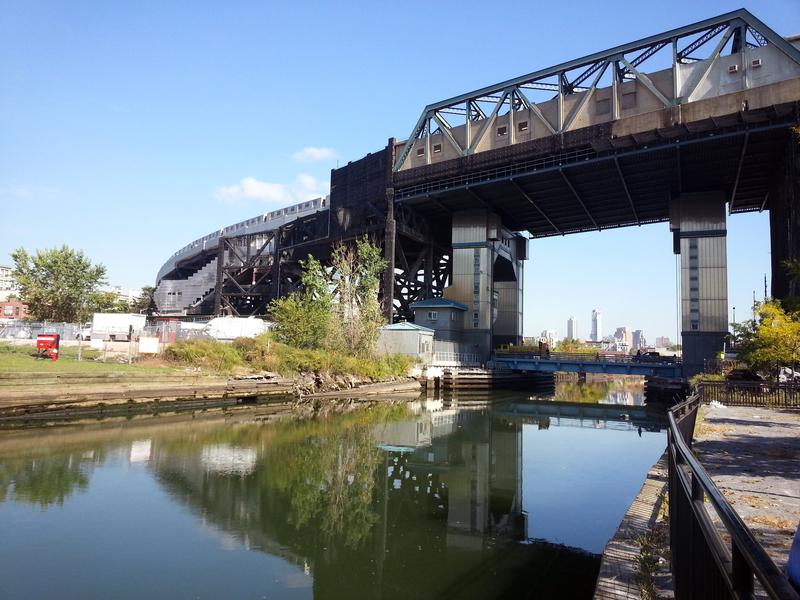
pixel 484 497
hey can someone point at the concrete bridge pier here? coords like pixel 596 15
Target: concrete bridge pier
pixel 698 224
pixel 487 277
pixel 784 221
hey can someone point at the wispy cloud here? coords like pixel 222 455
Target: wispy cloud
pixel 304 187
pixel 314 153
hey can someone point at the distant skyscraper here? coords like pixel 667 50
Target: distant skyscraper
pixel 639 342
pixel 623 334
pixel 663 342
pixel 572 328
pixel 597 325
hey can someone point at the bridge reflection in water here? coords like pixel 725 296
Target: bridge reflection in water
pixel 474 498
pixel 440 509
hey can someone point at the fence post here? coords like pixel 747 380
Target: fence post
pixel 741 573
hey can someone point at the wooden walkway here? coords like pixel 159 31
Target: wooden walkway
pixel 619 576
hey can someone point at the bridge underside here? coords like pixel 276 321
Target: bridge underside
pixel 607 182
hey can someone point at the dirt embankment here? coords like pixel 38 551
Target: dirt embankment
pixel 36 393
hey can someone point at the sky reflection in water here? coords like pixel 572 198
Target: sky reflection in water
pixel 470 500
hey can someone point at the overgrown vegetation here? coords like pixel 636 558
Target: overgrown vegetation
pixel 771 339
pixel 574 347
pixel 265 354
pixel 337 309
pixel 695 379
pixel 654 552
pixel 208 354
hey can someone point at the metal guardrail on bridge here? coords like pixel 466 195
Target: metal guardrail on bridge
pixel 618 364
pixel 704 563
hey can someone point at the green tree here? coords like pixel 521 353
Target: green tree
pixel 771 339
pixel 145 301
pixel 358 315
pixel 57 284
pixel 337 308
pixel 106 302
pixel 302 319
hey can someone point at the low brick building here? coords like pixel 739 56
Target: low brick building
pixel 13 309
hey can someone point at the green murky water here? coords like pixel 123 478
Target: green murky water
pixel 489 498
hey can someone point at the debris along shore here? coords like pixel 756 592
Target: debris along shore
pixel 26 395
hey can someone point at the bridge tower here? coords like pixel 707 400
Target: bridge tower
pixel 487 277
pixel 698 224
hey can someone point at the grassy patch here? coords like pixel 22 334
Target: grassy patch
pixel 264 354
pixel 700 377
pixel 654 553
pixel 18 359
pixel 244 354
pixel 207 354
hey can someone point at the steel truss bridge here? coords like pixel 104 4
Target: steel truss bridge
pixel 595 143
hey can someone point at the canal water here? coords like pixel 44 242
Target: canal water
pixel 493 496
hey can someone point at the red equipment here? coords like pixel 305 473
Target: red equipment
pixel 47 345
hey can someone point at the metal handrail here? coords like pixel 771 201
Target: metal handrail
pixel 746 557
pixel 588 357
pixel 752 393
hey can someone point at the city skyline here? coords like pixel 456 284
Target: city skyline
pixel 635 338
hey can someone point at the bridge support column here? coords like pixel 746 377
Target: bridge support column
pixel 784 222
pixel 487 277
pixel 389 255
pixel 699 229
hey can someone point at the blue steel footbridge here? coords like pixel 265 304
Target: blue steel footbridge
pixel 667 367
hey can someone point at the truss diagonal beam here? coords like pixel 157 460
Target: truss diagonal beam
pixel 536 206
pixel 576 112
pixel 648 53
pixel 699 75
pixel 536 111
pixel 701 41
pixel 578 198
pixel 447 133
pixel 647 82
pixel 585 75
pixel 627 191
pixel 488 122
pixel 738 172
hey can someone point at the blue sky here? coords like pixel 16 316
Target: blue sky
pixel 129 129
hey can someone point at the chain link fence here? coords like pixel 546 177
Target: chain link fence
pixel 28 330
pixel 165 331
